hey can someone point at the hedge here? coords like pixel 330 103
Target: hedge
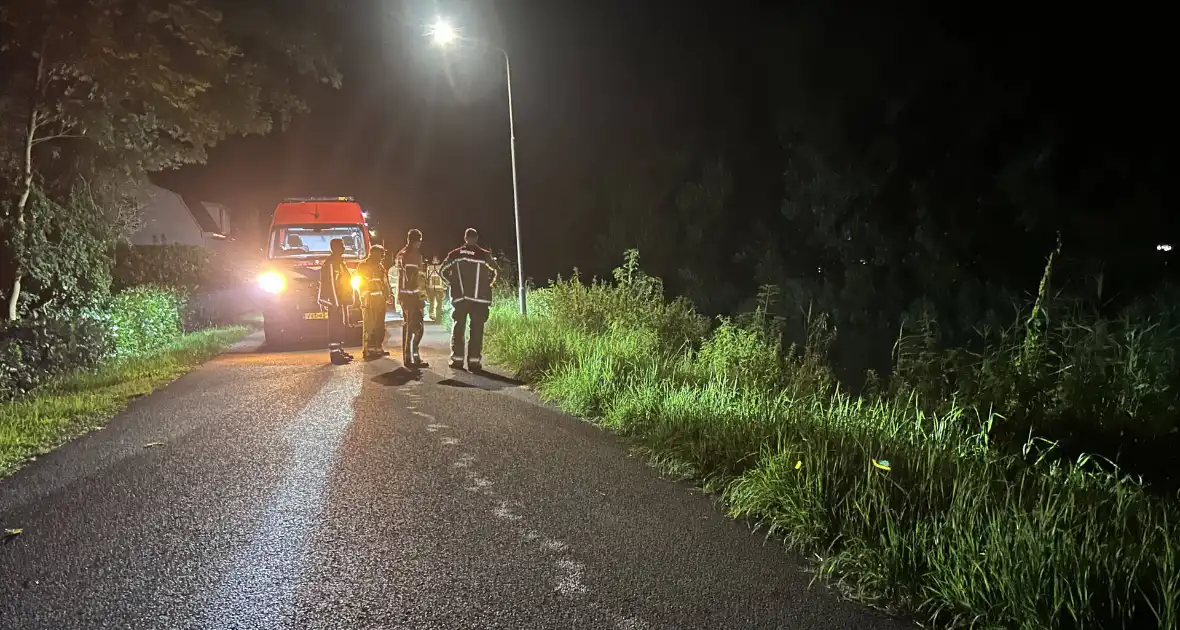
pixel 186 267
pixel 135 322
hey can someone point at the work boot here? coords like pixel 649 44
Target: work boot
pixel 475 365
pixel 337 355
pixel 456 363
pixel 415 356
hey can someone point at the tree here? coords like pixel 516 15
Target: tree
pixel 135 87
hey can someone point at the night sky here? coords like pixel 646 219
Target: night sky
pixel 421 137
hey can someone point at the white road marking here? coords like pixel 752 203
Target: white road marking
pixel 428 417
pixel 570 580
pixel 449 441
pixel 627 623
pixel 505 513
pixel 259 590
pixel 478 484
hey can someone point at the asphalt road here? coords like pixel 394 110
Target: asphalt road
pixel 290 493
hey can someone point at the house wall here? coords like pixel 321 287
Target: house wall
pixel 166 220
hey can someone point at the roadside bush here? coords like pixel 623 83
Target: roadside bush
pixel 745 356
pixel 186 267
pixel 635 301
pixel 35 351
pixel 902 495
pixel 64 250
pixel 1062 372
pixel 145 319
pixel 134 323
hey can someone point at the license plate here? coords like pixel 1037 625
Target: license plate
pixel 320 315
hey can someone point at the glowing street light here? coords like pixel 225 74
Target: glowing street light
pixel 444 34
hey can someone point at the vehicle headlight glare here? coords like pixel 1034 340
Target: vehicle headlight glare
pixel 272 282
pixel 356 282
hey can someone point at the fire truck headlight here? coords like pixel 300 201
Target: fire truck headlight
pixel 272 282
pixel 356 282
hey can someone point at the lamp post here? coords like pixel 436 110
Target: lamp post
pixel 444 34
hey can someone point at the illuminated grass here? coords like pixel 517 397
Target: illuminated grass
pixel 903 508
pixel 84 401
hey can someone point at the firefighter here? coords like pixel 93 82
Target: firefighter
pixel 335 293
pixel 436 288
pixel 375 293
pixel 410 266
pixel 470 272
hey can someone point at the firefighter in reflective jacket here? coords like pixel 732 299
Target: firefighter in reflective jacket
pixel 375 293
pixel 410 266
pixel 335 293
pixel 470 272
pixel 436 289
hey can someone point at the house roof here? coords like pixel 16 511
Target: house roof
pixel 201 214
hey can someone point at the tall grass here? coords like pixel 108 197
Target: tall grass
pixel 904 496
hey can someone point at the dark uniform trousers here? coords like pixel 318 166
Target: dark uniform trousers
pixel 374 321
pixel 477 312
pixel 413 310
pixel 336 327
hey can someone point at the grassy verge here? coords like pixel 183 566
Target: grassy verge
pixel 908 509
pixel 79 402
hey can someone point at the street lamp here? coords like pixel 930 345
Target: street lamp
pixel 444 34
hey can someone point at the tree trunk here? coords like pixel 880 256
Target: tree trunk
pixel 26 189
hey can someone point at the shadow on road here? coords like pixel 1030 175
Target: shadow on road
pixel 487 381
pixel 500 378
pixel 396 378
pixel 450 382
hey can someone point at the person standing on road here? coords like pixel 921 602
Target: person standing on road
pixel 409 294
pixel 375 293
pixel 436 288
pixel 470 272
pixel 335 292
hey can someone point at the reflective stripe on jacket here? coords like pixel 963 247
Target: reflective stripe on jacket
pixel 374 278
pixel 470 272
pixel 409 276
pixel 335 283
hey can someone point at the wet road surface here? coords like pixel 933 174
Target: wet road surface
pixel 290 493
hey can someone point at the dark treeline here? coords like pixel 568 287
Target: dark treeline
pixel 861 161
